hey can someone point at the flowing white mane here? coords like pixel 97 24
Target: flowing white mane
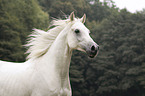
pixel 40 41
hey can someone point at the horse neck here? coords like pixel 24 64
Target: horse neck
pixel 57 60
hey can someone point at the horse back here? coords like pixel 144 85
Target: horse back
pixel 12 67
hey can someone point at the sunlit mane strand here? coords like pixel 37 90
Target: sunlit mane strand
pixel 40 41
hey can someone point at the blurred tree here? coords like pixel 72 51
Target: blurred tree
pixel 16 21
pixel 121 55
pixel 57 8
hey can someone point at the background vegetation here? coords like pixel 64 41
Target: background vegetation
pixel 118 70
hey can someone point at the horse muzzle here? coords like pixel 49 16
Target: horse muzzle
pixel 93 50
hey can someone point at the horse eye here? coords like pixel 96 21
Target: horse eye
pixel 77 31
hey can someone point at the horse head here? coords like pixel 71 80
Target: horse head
pixel 79 38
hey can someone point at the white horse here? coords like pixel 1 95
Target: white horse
pixel 46 72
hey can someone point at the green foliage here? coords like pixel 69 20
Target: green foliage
pixel 122 52
pixel 17 19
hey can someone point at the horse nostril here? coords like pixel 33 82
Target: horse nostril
pixel 93 48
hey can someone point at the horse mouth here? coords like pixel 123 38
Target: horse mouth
pixel 92 54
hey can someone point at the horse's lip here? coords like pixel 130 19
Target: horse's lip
pixel 92 54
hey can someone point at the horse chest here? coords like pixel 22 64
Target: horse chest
pixel 49 92
pixel 61 92
pixel 50 86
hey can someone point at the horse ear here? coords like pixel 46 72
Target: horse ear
pixel 72 16
pixel 83 19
